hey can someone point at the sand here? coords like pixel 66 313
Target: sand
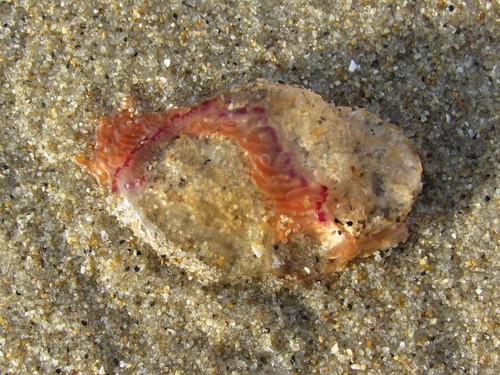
pixel 81 294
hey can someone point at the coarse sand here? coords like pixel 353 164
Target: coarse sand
pixel 80 294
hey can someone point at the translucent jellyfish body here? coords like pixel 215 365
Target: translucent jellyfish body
pixel 264 178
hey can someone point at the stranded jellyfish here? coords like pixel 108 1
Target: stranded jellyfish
pixel 262 179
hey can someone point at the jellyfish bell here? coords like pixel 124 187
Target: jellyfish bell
pixel 294 186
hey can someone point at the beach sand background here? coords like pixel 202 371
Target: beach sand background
pixel 79 293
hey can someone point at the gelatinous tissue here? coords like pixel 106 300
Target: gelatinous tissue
pixel 262 179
